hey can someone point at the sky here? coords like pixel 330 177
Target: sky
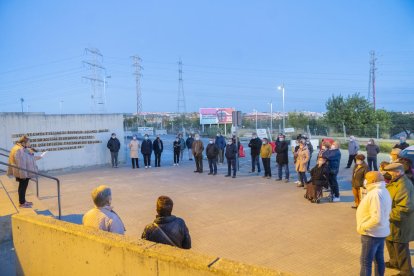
pixel 234 53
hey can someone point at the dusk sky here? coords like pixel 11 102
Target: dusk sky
pixel 234 53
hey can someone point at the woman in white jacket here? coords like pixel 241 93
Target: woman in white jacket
pixel 373 224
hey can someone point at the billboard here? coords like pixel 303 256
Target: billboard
pixel 215 116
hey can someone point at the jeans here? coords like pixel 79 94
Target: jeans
pixel 158 159
pixel 134 162
pixel 302 178
pixel 350 160
pixel 199 162
pixel 190 154
pixel 231 163
pixel 333 182
pixel 280 167
pixel 372 250
pixel 23 183
pixel 181 154
pixel 114 158
pixel 400 257
pixel 372 161
pixel 176 157
pixel 266 167
pixel 147 160
pixel 255 161
pixel 221 156
pixel 212 164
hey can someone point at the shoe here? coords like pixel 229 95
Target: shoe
pixel 25 205
pixel 191 159
pixel 29 203
pixel 233 176
pixel 227 175
pixel 278 179
pixel 347 167
pixel 264 176
pixel 178 164
pixel 354 207
pixel 200 172
pixel 146 167
pixel 251 171
pixel 389 265
pixel 287 180
pixel 210 173
pixel 297 182
pixel 268 177
pixel 214 173
pixel 149 166
pixel 116 166
pixel 299 185
pixel 196 171
pixel 336 199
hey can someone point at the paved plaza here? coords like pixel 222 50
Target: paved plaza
pixel 249 219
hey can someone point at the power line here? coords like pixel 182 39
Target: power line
pixel 371 85
pixel 181 106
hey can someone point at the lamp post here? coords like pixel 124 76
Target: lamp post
pixel 271 118
pixel 254 110
pixel 21 102
pixel 282 87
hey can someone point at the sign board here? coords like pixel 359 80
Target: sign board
pixel 146 130
pixel 289 130
pixel 160 132
pixel 261 133
pixel 215 116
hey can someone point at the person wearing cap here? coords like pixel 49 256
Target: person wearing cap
pixel 197 149
pixel 353 148
pixel 302 160
pixel 358 177
pixel 158 147
pixel 133 151
pixel 102 216
pixel 255 145
pixel 114 145
pixel 372 219
pixel 333 155
pixel 394 155
pixel 266 154
pixel 282 158
pixel 221 143
pixel 402 144
pixel 401 219
pixel 146 150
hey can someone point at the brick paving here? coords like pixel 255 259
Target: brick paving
pixel 249 218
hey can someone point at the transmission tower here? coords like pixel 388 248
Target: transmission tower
pixel 371 84
pixel 181 108
pixel 93 62
pixel 136 62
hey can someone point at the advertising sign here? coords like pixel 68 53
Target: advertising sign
pixel 261 133
pixel 215 116
pixel 146 130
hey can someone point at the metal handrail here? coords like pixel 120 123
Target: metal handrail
pixel 43 175
pixel 6 150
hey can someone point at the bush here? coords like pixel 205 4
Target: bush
pixel 386 147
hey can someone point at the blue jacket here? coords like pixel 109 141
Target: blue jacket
pixel 334 159
pixel 220 142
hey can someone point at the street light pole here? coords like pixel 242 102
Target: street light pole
pixel 256 118
pixel 282 87
pixel 22 101
pixel 271 118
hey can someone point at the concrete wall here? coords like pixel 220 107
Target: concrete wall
pixel 72 140
pixel 45 246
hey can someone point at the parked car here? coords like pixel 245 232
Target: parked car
pixel 408 153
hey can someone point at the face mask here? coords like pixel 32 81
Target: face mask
pixel 320 163
pixel 281 139
pixel 264 142
pixel 197 138
pixel 135 138
pixel 333 147
pixel 254 137
pixel 113 137
pixel 211 142
pixel 229 142
pixel 146 138
pixel 369 143
pixel 176 140
pixel 218 134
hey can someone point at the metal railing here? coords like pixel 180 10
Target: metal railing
pixel 37 181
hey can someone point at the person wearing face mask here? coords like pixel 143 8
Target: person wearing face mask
pixel 146 150
pixel 302 163
pixel 221 143
pixel 102 216
pixel 189 143
pixel 372 152
pixel 176 150
pixel 182 145
pixel 231 154
pixel 114 145
pixel 333 155
pixel 401 219
pixel 402 144
pixel 212 152
pixel 319 179
pixel 353 148
pixel 310 148
pixel 372 220
pixel 255 145
pixel 282 158
pixel 266 154
pixel 358 177
pixel 197 150
pixel 133 151
pixel 158 147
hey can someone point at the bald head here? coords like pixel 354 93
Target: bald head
pixel 373 177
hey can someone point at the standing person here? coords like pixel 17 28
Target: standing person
pixel 182 145
pixel 221 143
pixel 353 148
pixel 266 154
pixel 133 151
pixel 302 163
pixel 102 216
pixel 372 219
pixel 401 219
pixel 372 152
pixel 189 143
pixel 146 150
pixel 310 148
pixel 212 152
pixel 333 155
pixel 177 150
pixel 255 144
pixel 166 228
pixel 403 144
pixel 23 157
pixel 358 177
pixel 295 156
pixel 282 158
pixel 114 145
pixel 231 154
pixel 158 147
pixel 198 149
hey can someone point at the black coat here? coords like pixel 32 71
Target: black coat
pixel 212 151
pixel 189 142
pixel 146 147
pixel 401 146
pixel 282 149
pixel 255 145
pixel 231 151
pixel 177 146
pixel 173 227
pixel 113 145
pixel 158 147
pixel 319 175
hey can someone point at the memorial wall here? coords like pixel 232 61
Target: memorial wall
pixel 70 141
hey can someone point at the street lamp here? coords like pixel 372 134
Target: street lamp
pixel 282 87
pixel 254 110
pixel 271 118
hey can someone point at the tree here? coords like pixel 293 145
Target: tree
pixel 297 120
pixel 402 122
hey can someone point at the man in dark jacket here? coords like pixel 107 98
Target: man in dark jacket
pixel 282 160
pixel 158 147
pixel 255 145
pixel 167 229
pixel 333 155
pixel 403 144
pixel 221 143
pixel 189 143
pixel 114 145
pixel 231 154
pixel 212 152
pixel 146 150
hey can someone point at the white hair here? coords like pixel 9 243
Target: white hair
pixel 101 195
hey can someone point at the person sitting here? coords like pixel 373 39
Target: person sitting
pixel 319 179
pixel 166 228
pixel 102 216
pixel 358 177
